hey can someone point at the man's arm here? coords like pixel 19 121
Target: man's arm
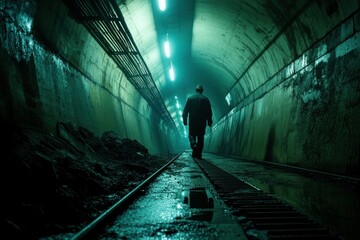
pixel 209 118
pixel 186 112
pixel 210 122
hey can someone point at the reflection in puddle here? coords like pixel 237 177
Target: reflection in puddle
pixel 198 200
pixel 202 216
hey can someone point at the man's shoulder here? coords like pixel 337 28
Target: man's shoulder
pixel 198 96
pixel 193 96
pixel 204 97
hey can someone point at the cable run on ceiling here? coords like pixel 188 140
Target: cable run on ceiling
pixel 106 24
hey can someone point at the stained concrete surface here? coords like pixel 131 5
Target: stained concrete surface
pixel 180 204
pixel 332 201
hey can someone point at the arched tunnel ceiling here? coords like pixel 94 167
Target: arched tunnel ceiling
pixel 213 43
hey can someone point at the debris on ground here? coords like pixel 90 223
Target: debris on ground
pixel 56 183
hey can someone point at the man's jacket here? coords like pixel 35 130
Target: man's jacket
pixel 198 108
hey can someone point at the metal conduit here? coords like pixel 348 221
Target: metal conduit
pixel 106 24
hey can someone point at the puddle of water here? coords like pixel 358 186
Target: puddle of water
pixel 198 198
pixel 200 202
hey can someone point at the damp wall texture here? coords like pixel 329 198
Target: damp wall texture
pixel 52 70
pixel 305 110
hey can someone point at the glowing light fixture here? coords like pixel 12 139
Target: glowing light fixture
pixel 172 73
pixel 228 99
pixel 167 48
pixel 162 4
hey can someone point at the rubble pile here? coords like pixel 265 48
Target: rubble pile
pixel 53 184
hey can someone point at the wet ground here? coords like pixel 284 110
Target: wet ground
pixel 334 202
pixel 182 204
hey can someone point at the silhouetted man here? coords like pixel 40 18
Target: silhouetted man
pixel 198 108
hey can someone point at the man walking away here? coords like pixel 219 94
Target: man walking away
pixel 198 108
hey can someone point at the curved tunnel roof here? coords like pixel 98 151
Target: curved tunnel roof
pixel 230 47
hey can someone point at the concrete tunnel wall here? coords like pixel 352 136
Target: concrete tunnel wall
pixel 53 70
pixel 306 112
pixel 297 104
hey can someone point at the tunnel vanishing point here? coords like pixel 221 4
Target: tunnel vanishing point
pixel 283 77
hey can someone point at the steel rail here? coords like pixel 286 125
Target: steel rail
pixel 355 180
pixel 89 231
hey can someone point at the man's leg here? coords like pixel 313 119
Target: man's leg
pixel 193 145
pixel 200 145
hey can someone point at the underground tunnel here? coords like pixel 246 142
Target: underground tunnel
pixel 88 87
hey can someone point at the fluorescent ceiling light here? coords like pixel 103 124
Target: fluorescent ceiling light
pixel 162 4
pixel 172 73
pixel 228 99
pixel 167 48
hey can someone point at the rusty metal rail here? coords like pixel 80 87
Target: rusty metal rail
pixel 262 215
pixel 93 228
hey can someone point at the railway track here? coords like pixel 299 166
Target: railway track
pixel 259 215
pixel 92 229
pixel 262 215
